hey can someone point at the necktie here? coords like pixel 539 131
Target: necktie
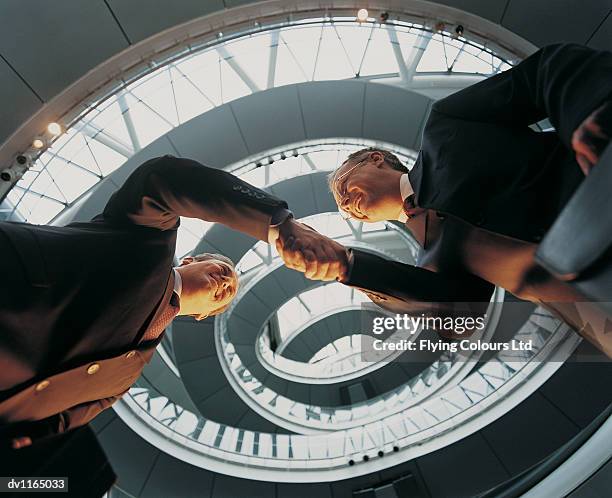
pixel 409 207
pixel 164 319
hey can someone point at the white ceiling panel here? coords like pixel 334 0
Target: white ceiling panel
pixel 235 3
pixel 213 138
pixel 253 309
pixel 230 242
pixel 204 246
pixel 324 199
pixel 159 147
pixel 489 9
pixel 268 291
pixel 298 194
pixel 91 209
pixel 290 281
pixel 52 44
pixel 602 38
pixel 126 449
pixel 332 110
pixel 196 339
pixel 172 477
pixel 94 203
pixel 394 115
pixel 139 20
pixel 543 22
pixel 274 117
pixel 21 104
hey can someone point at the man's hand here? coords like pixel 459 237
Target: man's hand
pixel 592 136
pixel 20 442
pixel 306 250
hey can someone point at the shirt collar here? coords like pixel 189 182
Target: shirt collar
pixel 178 282
pixel 405 191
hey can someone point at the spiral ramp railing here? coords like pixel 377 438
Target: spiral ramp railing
pixel 224 411
pixel 520 438
pixel 229 414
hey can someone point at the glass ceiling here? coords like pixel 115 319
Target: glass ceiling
pixel 115 127
pixel 274 166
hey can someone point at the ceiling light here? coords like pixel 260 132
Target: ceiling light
pixel 54 129
pixel 362 15
pixel 38 143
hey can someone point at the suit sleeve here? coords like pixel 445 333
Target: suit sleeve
pixel 72 418
pixel 564 82
pixel 84 413
pixel 417 288
pixel 164 188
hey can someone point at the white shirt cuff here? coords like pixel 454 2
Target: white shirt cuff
pixel 406 191
pixel 273 234
pixel 178 282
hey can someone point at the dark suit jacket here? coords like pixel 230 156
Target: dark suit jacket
pixel 481 162
pixel 492 185
pixel 87 292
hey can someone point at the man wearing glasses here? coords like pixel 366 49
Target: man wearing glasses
pixel 84 306
pixel 485 187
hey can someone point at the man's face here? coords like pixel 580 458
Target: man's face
pixel 217 286
pixel 361 189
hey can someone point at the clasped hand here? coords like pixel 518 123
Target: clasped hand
pixel 592 137
pixel 306 250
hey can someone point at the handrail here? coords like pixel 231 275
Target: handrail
pixel 451 415
pixel 521 483
pixel 307 418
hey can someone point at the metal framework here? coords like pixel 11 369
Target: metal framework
pixel 487 393
pixel 120 124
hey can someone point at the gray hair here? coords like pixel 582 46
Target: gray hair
pixel 206 256
pixel 391 159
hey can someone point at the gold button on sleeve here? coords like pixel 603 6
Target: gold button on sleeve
pixel 42 385
pixel 93 368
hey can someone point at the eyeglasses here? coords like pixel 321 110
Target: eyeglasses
pixel 342 194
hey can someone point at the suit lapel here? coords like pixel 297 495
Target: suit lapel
pixel 159 309
pixel 418 228
pixel 415 175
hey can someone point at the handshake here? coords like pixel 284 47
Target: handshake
pixel 306 250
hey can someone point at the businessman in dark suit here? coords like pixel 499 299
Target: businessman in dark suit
pixel 484 190
pixel 84 306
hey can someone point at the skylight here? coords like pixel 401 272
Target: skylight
pixel 141 111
